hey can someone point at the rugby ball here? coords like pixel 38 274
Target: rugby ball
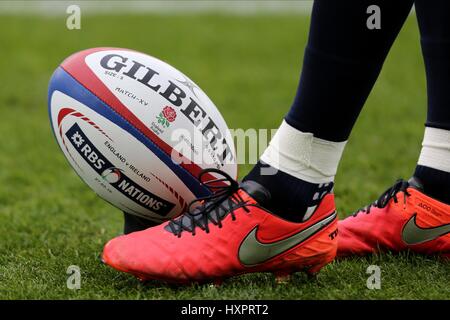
pixel 137 130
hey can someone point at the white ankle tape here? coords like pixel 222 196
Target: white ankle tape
pixel 436 149
pixel 302 155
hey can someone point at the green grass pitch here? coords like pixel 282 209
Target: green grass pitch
pixel 249 66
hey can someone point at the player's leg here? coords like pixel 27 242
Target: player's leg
pixel 416 214
pixel 341 63
pixel 260 225
pixel 433 168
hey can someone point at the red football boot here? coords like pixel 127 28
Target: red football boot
pixel 229 234
pixel 402 218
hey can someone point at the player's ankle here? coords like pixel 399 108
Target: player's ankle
pixel 435 183
pixel 298 169
pixel 433 168
pixel 291 198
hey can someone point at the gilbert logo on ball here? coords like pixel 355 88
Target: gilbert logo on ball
pixel 114 113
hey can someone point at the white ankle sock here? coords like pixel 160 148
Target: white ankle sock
pixel 435 149
pixel 302 155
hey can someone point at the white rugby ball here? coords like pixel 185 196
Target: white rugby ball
pixel 137 130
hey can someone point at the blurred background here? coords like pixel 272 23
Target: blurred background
pixel 247 56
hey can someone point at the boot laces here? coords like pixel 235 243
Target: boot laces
pixel 391 193
pixel 212 208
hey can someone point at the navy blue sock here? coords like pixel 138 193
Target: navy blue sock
pixel 434 25
pixel 291 198
pixel 436 183
pixel 342 61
